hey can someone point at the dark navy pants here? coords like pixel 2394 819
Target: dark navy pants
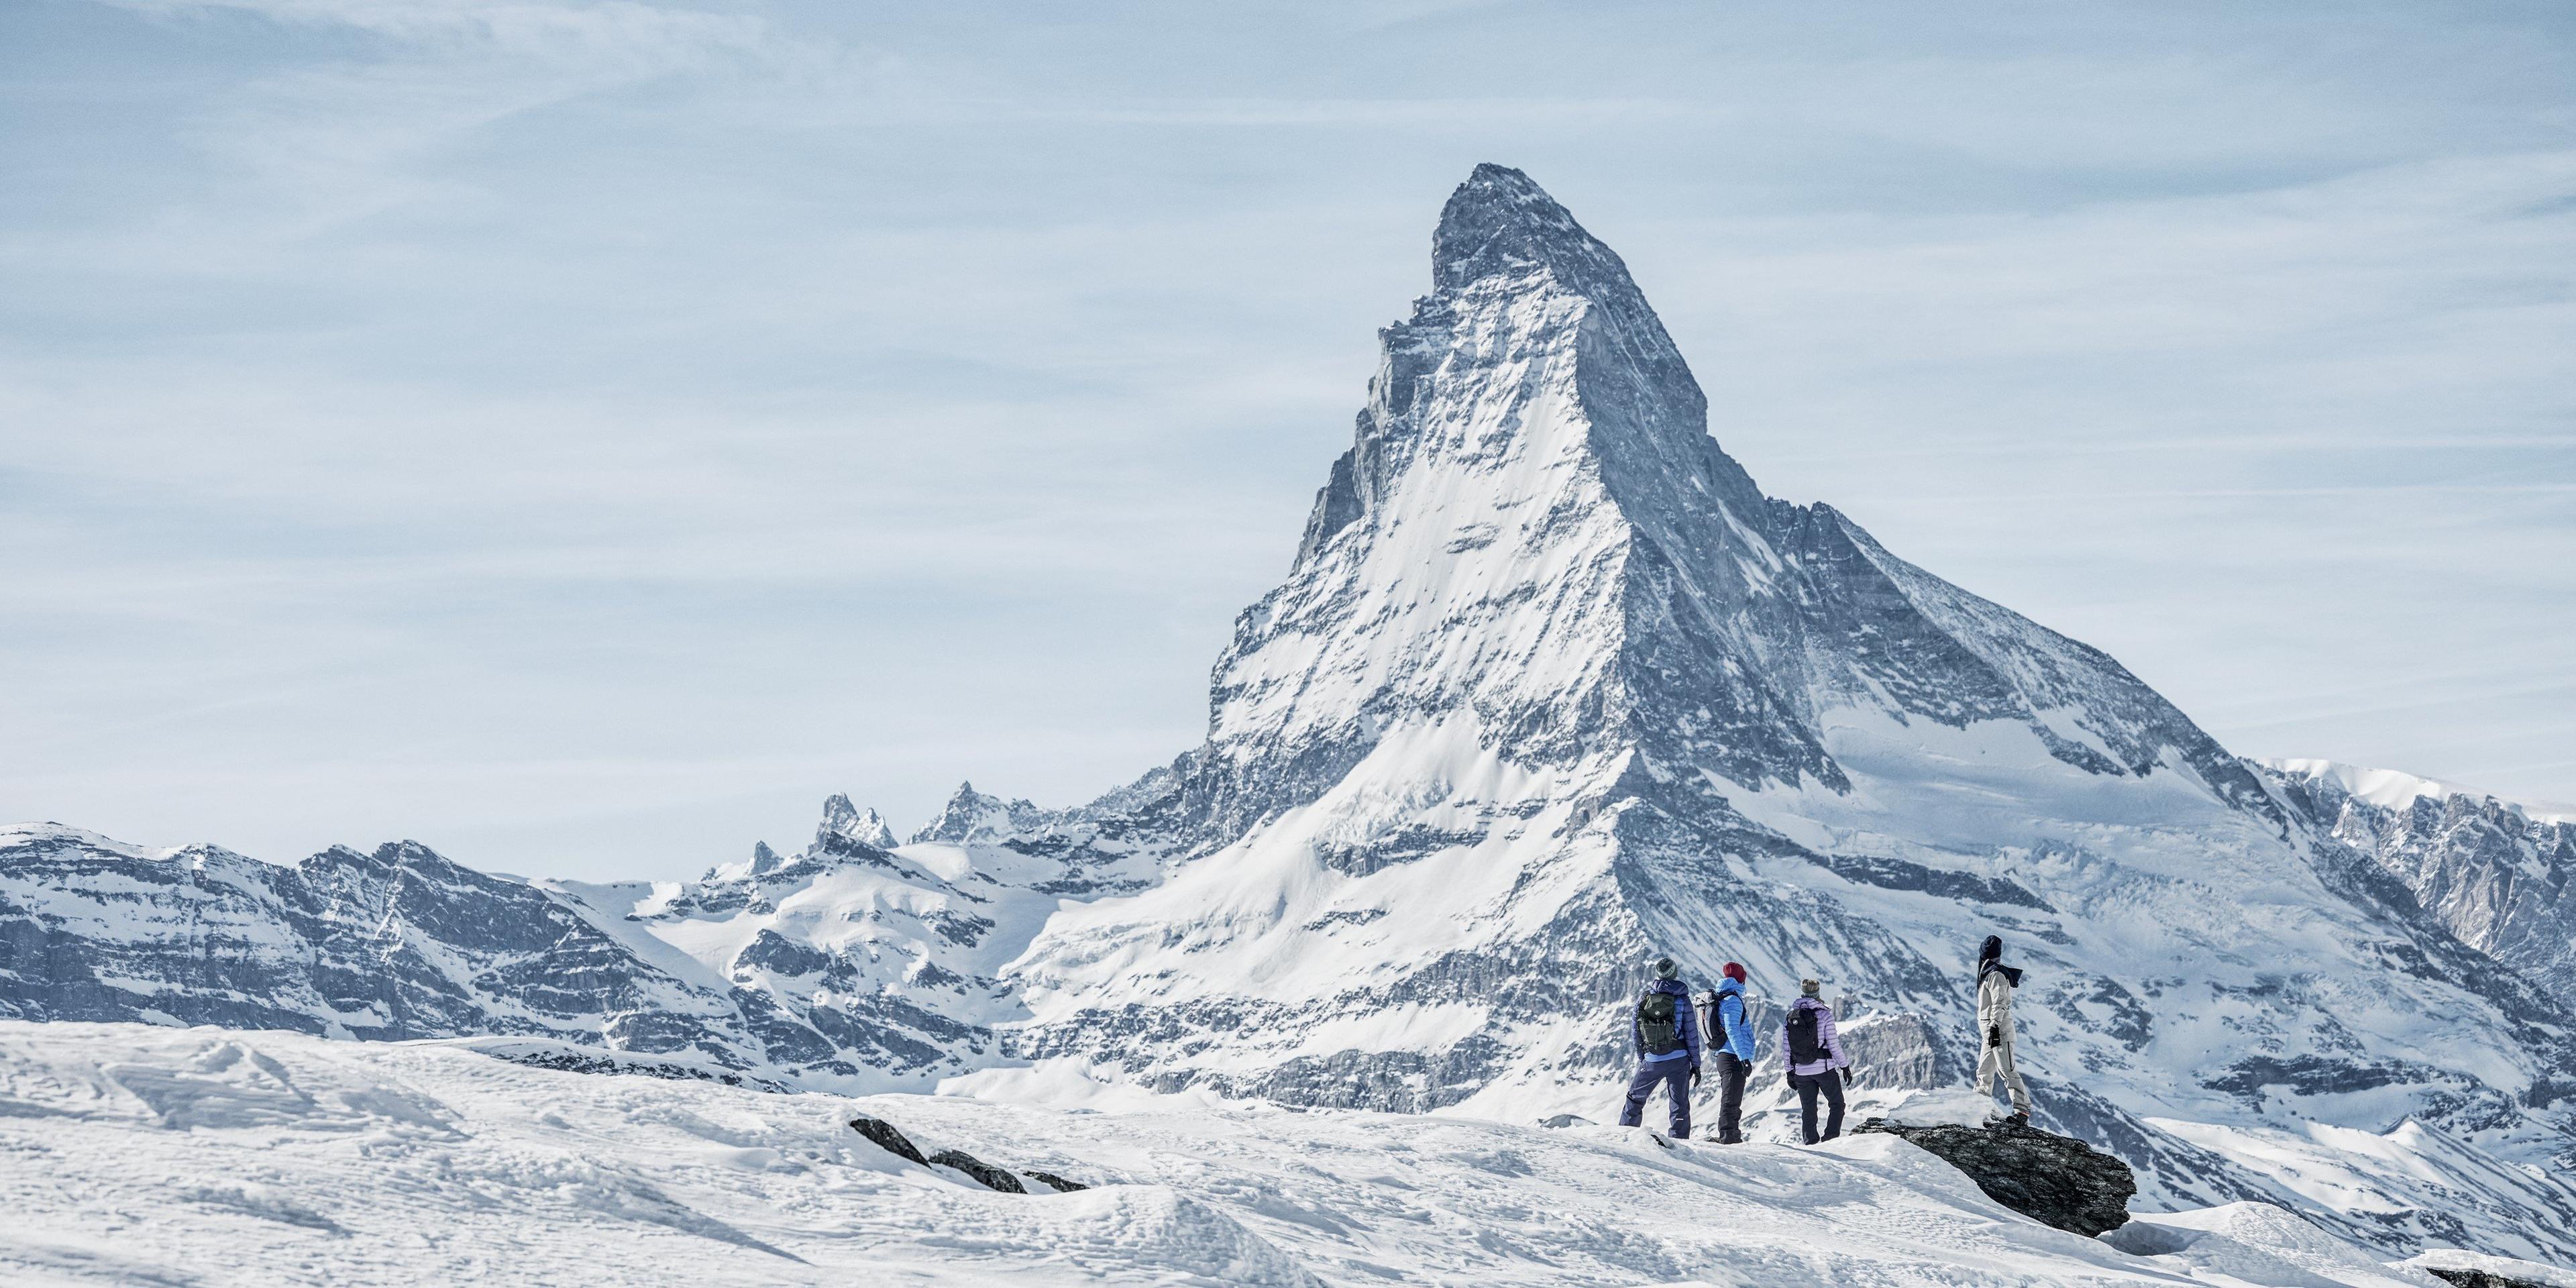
pixel 1674 1076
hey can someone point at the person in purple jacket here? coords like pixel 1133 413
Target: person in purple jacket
pixel 1665 1028
pixel 1816 1060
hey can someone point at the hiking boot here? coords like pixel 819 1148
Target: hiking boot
pixel 2017 1119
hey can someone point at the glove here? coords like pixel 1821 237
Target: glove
pixel 1846 1076
pixel 1694 1075
pixel 1994 1035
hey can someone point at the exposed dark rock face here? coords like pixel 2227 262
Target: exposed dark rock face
pixel 2481 1279
pixel 889 1138
pixel 993 1178
pixel 1892 1051
pixel 2052 1179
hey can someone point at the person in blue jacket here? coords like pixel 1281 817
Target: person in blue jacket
pixel 1666 1033
pixel 1733 1030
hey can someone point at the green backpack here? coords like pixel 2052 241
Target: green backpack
pixel 1657 1023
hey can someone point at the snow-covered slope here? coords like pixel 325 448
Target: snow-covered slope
pixel 206 1157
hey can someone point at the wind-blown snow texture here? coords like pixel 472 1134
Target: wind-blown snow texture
pixel 1551 688
pixel 139 1155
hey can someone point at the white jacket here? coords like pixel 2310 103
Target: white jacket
pixel 1994 1007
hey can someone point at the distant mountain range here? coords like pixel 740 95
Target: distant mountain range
pixel 1551 687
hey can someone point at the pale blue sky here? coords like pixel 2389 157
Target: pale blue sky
pixel 581 436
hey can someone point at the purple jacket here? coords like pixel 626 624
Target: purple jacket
pixel 1684 1015
pixel 1834 1057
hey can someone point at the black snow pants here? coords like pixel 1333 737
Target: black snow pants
pixel 1730 1098
pixel 1829 1082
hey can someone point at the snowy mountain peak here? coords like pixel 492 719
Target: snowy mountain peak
pixel 1500 223
pixel 972 816
pixel 841 818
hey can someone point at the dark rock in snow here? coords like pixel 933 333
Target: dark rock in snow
pixel 2052 1179
pixel 619 1064
pixel 994 1178
pixel 889 1138
pixel 2481 1279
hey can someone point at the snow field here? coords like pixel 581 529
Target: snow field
pixel 146 1155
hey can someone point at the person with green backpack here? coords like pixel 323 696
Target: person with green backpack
pixel 1665 1028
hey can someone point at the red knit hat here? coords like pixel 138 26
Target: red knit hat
pixel 1734 971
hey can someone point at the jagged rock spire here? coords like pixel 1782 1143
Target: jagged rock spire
pixel 972 816
pixel 845 820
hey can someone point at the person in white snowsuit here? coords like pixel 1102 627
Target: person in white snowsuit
pixel 1995 985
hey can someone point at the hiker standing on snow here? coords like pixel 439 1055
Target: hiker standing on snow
pixel 1816 1060
pixel 1995 985
pixel 1733 1030
pixel 1666 1031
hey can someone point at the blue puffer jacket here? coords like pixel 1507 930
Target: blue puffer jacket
pixel 1734 1029
pixel 1683 1014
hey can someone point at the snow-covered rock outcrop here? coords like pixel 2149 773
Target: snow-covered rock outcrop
pixel 2054 1180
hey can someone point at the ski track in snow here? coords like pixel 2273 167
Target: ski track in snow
pixel 143 1155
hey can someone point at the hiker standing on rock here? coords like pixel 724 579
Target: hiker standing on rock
pixel 1816 1060
pixel 1733 1030
pixel 1666 1030
pixel 1995 985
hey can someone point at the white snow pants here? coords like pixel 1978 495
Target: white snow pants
pixel 1998 1062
